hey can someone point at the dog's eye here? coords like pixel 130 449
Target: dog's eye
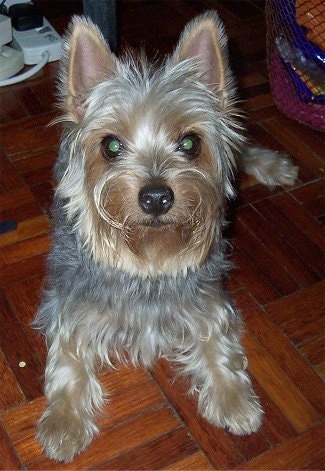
pixel 111 147
pixel 190 145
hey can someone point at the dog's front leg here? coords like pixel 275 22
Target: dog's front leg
pixel 73 392
pixel 215 364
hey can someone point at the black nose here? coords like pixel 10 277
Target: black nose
pixel 156 199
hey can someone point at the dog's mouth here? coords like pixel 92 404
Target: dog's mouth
pixel 168 229
pixel 156 223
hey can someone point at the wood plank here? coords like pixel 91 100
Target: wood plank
pixel 11 394
pixel 278 246
pixel 40 176
pixel 24 249
pixel 196 462
pixel 299 241
pixel 258 116
pixel 122 376
pixel 262 257
pixel 314 349
pixel 17 145
pixel 298 453
pixel 129 401
pixel 259 101
pixel 10 108
pixel 300 413
pixel 282 350
pixel 22 269
pixel 9 177
pixel 301 314
pixel 253 279
pixel 24 299
pixel 17 348
pixel 251 191
pixel 256 89
pixel 19 205
pixel 20 426
pixel 26 230
pixel 46 88
pixel 300 219
pixel 309 192
pixel 252 78
pixel 13 198
pixel 21 213
pixel 8 456
pixel 44 193
pixel 36 161
pixel 160 453
pixel 10 127
pixel 320 369
pixel 30 101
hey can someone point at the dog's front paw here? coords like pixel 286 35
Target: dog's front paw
pixel 245 417
pixel 286 173
pixel 235 409
pixel 64 435
pixel 268 167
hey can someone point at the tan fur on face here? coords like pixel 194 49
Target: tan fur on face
pixel 128 238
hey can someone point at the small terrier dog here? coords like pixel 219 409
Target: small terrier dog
pixel 136 268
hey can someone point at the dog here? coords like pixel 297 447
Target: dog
pixel 136 270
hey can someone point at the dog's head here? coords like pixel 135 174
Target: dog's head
pixel 150 148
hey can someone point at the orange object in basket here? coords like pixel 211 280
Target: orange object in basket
pixel 311 15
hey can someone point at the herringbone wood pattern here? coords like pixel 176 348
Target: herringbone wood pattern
pixel 150 423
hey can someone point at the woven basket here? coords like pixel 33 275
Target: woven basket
pixel 296 58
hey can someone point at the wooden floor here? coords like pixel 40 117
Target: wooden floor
pixel 278 281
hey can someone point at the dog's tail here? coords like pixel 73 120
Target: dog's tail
pixel 268 167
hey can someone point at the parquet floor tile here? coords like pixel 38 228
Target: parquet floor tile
pixel 277 282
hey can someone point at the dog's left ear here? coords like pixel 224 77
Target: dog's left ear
pixel 88 62
pixel 205 38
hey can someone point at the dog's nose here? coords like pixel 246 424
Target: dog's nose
pixel 156 199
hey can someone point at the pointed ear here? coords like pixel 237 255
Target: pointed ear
pixel 88 62
pixel 205 38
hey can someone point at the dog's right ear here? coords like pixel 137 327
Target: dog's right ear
pixel 88 62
